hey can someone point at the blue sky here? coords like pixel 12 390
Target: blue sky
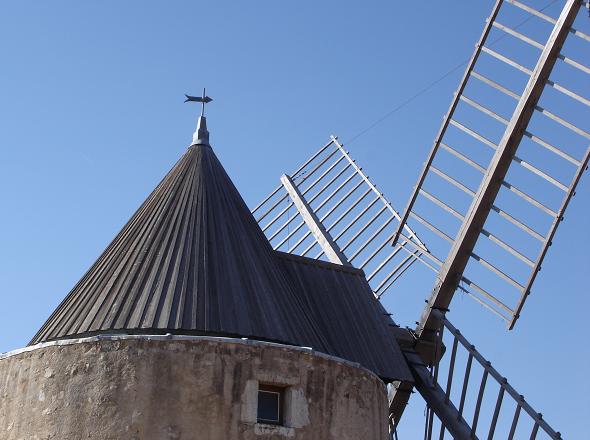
pixel 92 118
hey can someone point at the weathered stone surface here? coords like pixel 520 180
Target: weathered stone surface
pixel 137 388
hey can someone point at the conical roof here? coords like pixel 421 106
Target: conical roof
pixel 192 259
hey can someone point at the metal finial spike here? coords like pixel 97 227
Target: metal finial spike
pixel 203 103
pixel 201 135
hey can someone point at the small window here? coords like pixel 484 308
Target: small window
pixel 270 404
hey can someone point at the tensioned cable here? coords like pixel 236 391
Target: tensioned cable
pixel 433 83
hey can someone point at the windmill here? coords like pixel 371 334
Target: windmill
pixel 494 188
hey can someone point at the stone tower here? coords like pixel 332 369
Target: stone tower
pixel 190 326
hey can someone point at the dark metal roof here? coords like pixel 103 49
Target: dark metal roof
pixel 193 260
pixel 352 321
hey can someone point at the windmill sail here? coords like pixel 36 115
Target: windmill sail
pixel 468 398
pixel 506 160
pixel 329 209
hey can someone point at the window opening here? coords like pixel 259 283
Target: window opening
pixel 270 404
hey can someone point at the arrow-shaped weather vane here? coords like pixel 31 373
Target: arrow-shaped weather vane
pixel 202 99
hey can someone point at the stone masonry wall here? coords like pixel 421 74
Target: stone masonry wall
pixel 141 388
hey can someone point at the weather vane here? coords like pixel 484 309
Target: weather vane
pixel 202 99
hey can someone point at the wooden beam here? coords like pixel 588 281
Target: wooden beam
pixel 316 227
pixel 435 397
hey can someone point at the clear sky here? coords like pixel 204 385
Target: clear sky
pixel 92 117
